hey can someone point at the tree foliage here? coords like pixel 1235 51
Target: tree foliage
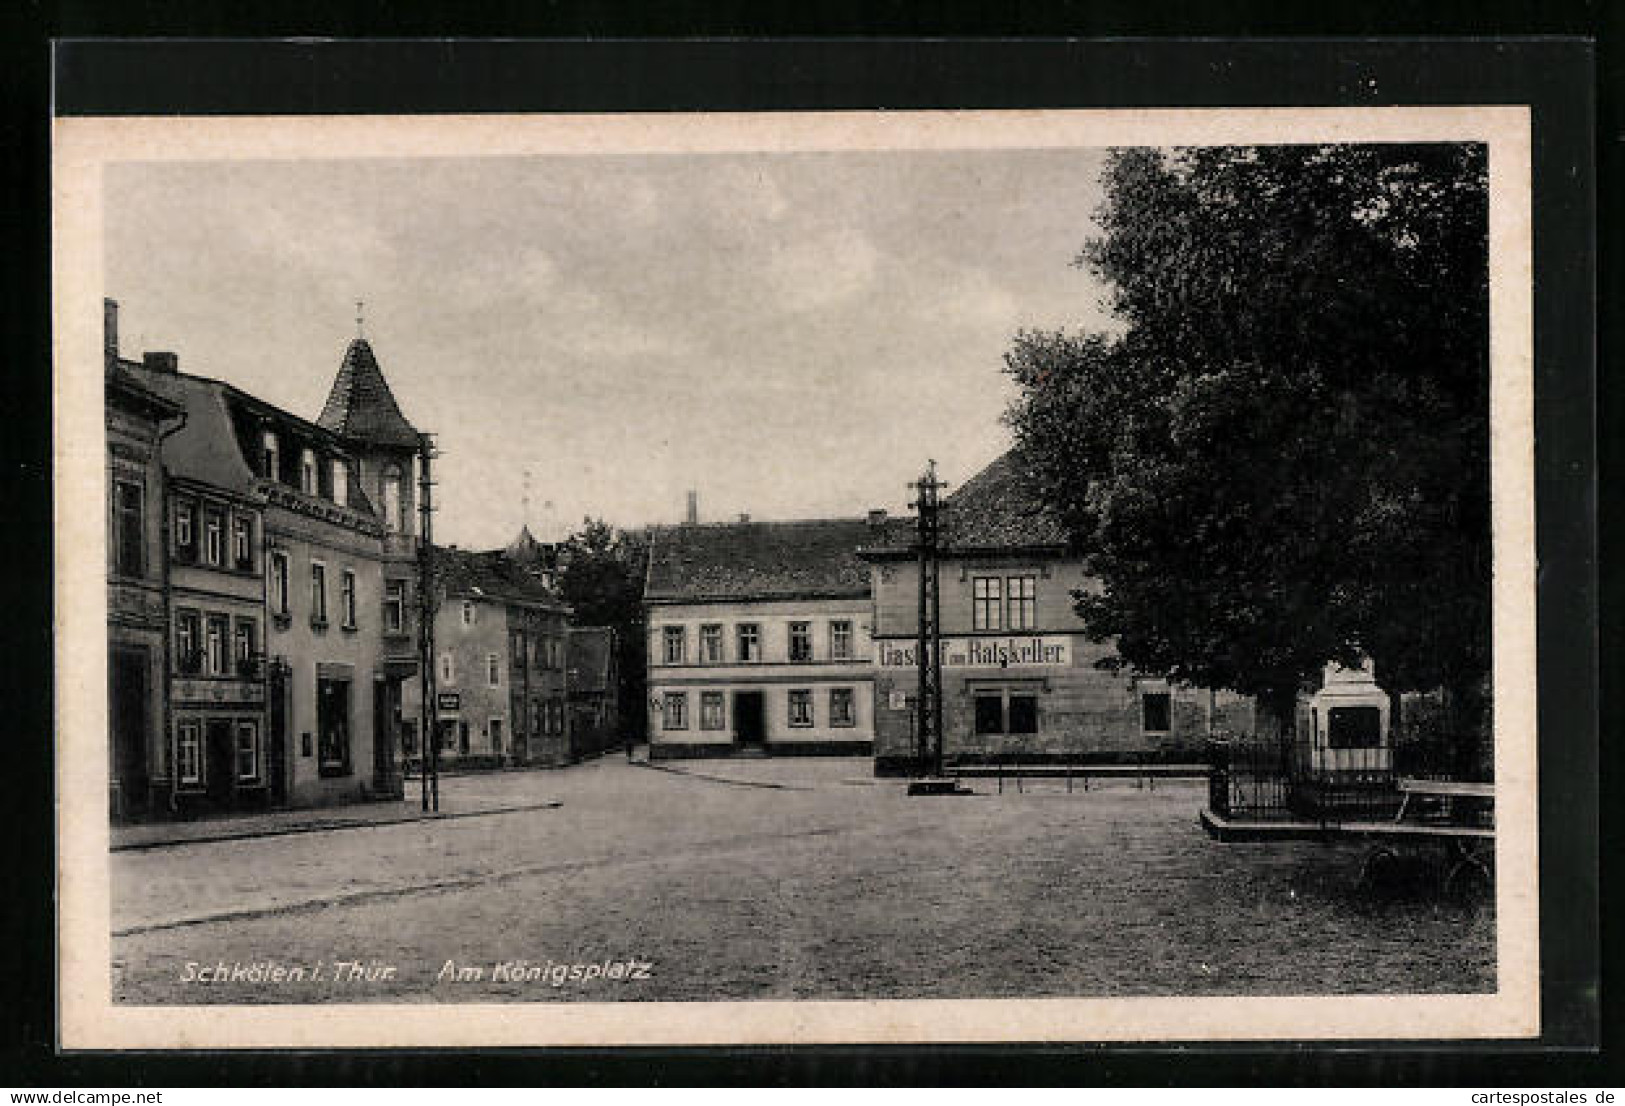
pixel 602 581
pixel 1282 456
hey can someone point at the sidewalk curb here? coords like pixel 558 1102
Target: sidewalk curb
pixel 327 827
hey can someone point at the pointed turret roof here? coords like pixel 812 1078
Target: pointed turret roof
pixel 361 406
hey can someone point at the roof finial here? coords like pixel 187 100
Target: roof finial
pixel 359 332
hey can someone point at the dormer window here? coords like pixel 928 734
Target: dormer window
pixel 270 458
pixel 307 473
pixel 341 483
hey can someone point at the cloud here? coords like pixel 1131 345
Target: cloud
pixel 825 270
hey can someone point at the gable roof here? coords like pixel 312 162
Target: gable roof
pixel 996 509
pixel 589 651
pixel 808 558
pixel 491 574
pixel 361 406
pixel 205 448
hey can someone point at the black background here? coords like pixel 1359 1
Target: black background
pixel 885 69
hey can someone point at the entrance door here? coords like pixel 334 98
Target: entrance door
pixel 748 729
pixel 128 716
pixel 221 761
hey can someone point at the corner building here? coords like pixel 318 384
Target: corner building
pixel 1020 678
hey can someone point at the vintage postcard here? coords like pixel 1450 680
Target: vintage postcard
pixel 795 578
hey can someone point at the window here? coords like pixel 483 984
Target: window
pixel 248 750
pixel 710 710
pixel 675 713
pixel 307 472
pixel 711 644
pixel 496 735
pixel 279 583
pixel 242 542
pixel 333 726
pixel 1354 728
pixel 840 641
pixel 801 707
pixel 216 641
pixel 347 598
pixel 392 499
pixel 468 613
pixel 244 646
pixel 990 713
pixel 750 641
pixel 840 707
pixel 674 644
pixel 1154 711
pixel 214 536
pixel 189 751
pixel 493 670
pixel 186 530
pixel 341 483
pixel 801 641
pixel 188 651
pixel 270 463
pixel 129 548
pixel 448 669
pixel 394 606
pixel 555 714
pixel 987 603
pixel 318 594
pixel 1023 602
pixel 516 649
pixel 1023 711
pixel 536 716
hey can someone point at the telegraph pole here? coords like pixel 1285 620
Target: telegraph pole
pixel 429 760
pixel 928 645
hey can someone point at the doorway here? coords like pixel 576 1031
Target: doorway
pixel 220 761
pixel 748 728
pixel 128 707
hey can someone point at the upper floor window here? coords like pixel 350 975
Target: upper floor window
pixel 674 644
pixel 801 641
pixel 1023 592
pixel 468 612
pixel 242 541
pixel 448 669
pixel 840 641
pixel 394 606
pixel 517 650
pixel 270 457
pixel 188 653
pixel 341 482
pixel 214 536
pixel 129 517
pixel 307 473
pixel 279 583
pixel 186 530
pixel 347 598
pixel 711 644
pixel 215 650
pixel 493 670
pixel 318 594
pixel 391 499
pixel 987 603
pixel 749 638
pixel 245 645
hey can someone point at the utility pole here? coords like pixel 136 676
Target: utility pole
pixel 928 646
pixel 429 767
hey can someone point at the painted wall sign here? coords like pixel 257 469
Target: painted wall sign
pixel 449 701
pixel 218 691
pixel 1014 651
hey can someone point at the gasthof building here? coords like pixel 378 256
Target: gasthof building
pixel 758 639
pixel 1020 678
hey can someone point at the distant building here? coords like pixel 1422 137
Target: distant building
pixel 593 686
pixel 500 654
pixel 1019 675
pixel 137 419
pixel 758 639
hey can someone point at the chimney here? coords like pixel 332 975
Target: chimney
pixel 160 362
pixel 693 507
pixel 744 516
pixel 110 330
pixel 877 519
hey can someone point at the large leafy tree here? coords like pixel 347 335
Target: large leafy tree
pixel 1281 456
pixel 602 581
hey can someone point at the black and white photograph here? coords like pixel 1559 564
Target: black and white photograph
pixel 750 579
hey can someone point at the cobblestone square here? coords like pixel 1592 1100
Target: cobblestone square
pixel 792 878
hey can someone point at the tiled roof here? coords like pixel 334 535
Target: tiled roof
pixel 361 406
pixel 205 448
pixel 490 574
pixel 995 509
pixel 758 560
pixel 588 655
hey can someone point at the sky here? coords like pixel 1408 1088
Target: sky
pixel 790 335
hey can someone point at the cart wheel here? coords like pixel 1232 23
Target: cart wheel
pixel 1380 870
pixel 1469 883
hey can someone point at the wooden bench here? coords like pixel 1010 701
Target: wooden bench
pixel 1471 847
